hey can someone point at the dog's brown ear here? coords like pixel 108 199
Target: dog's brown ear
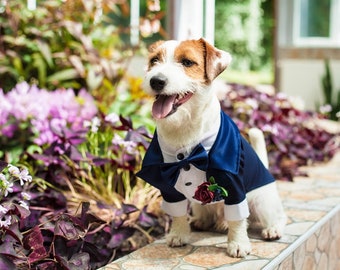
pixel 216 61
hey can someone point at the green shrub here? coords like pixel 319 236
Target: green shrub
pixel 60 44
pixel 245 28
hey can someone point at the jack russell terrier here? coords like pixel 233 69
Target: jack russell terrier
pixel 197 154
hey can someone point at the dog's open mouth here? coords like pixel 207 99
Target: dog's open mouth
pixel 166 105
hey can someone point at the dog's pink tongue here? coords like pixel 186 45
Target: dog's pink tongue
pixel 163 106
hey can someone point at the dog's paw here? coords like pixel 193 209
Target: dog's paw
pixel 237 249
pixel 176 240
pixel 272 233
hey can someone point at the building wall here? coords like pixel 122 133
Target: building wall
pixel 302 78
pixel 300 67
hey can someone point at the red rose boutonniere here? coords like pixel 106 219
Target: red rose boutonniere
pixel 209 192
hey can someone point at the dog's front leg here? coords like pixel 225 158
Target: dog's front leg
pixel 179 232
pixel 238 241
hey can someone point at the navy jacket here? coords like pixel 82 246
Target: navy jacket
pixel 231 161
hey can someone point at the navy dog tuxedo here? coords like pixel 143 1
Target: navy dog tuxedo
pixel 226 156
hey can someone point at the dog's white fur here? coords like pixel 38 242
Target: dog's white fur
pixel 188 124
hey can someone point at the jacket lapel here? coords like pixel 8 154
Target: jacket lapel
pixel 225 152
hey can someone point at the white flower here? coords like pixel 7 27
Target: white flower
pixel 3 210
pixel 128 146
pixel 112 118
pixel 325 108
pixel 253 103
pixel 337 114
pixel 2 177
pixel 270 128
pixel 6 187
pixel 5 221
pixel 21 175
pixel 25 196
pixel 24 204
pixel 297 102
pixel 13 170
pixel 94 124
pixel 24 176
pixel 117 140
pixel 281 95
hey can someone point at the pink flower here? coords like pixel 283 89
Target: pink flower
pixel 53 111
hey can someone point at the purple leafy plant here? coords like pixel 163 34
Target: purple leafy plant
pixel 292 138
pixel 45 235
pixel 77 155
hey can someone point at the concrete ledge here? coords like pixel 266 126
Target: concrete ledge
pixel 311 241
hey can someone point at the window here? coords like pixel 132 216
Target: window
pixel 317 23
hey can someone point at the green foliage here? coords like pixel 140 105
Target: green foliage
pixel 83 155
pixel 330 96
pixel 152 19
pixel 111 154
pixel 267 28
pixel 60 44
pixel 244 28
pixel 327 83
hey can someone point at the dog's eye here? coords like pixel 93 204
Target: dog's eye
pixel 154 60
pixel 187 63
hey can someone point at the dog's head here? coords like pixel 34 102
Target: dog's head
pixel 179 71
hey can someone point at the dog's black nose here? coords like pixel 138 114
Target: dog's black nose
pixel 158 82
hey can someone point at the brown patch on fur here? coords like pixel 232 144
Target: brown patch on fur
pixel 156 53
pixel 205 58
pixel 191 50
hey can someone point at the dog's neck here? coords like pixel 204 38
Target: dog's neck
pixel 200 121
pixel 170 153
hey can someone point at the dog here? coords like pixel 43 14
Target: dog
pixel 197 156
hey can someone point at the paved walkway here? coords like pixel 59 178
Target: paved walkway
pixel 311 238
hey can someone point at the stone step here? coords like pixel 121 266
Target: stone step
pixel 311 240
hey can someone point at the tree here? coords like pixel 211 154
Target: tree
pixel 244 28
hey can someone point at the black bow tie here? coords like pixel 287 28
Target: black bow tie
pixel 198 157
